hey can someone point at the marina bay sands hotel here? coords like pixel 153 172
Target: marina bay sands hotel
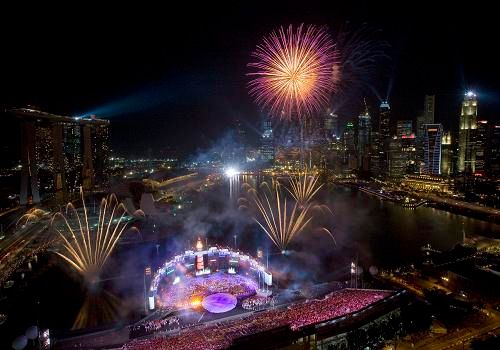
pixel 61 153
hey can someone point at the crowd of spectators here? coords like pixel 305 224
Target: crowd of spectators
pixel 145 328
pixel 256 302
pixel 220 335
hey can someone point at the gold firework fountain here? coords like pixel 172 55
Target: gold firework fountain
pixel 86 247
pixel 304 187
pixel 280 219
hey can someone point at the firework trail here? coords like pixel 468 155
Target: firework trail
pixel 32 215
pixel 86 249
pixel 361 55
pixel 292 75
pixel 304 187
pixel 281 220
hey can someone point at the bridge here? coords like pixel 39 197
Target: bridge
pixel 156 185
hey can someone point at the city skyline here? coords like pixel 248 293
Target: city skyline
pixel 130 80
pixel 252 175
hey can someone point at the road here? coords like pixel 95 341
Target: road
pixel 458 339
pixel 460 204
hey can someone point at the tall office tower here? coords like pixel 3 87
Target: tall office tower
pixel 29 172
pixel 51 154
pixel 331 125
pixel 427 117
pixel 349 146
pixel 376 155
pixel 44 156
pixel 432 148
pixel 493 158
pixel 72 138
pixel 429 107
pixel 466 134
pixel 384 136
pixel 446 154
pixel 397 159
pixel 384 120
pixel 364 139
pixel 267 141
pixel 404 128
pixel 481 145
pixel 100 154
pixel 408 147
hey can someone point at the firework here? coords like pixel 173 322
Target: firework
pixel 86 249
pixel 304 187
pixel 279 219
pixel 360 56
pixel 32 215
pixel 292 74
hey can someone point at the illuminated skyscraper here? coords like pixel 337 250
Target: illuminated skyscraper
pixel 404 128
pixel 427 117
pixel 384 137
pixel 493 163
pixel 432 148
pixel 466 134
pixel 446 154
pixel 349 146
pixel 100 153
pixel 364 139
pixel 331 125
pixel 481 144
pixel 267 140
pixel 397 159
pixel 52 154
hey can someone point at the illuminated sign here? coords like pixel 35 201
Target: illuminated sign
pixel 411 136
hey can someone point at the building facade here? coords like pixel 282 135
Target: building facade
pixel 267 141
pixel 466 134
pixel 59 154
pixel 384 137
pixel 446 154
pixel 364 140
pixel 432 148
pixel 481 146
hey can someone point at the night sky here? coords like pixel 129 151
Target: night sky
pixel 175 77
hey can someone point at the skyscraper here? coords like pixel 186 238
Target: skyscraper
pixel 493 163
pixel 480 145
pixel 384 136
pixel 52 150
pixel 427 117
pixel 404 128
pixel 429 104
pixel 350 146
pixel 331 125
pixel 100 153
pixel 432 148
pixel 364 139
pixel 397 159
pixel 446 154
pixel 267 140
pixel 466 134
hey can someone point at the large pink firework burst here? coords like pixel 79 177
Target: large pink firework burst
pixel 293 75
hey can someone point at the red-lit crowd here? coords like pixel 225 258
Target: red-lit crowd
pixel 221 335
